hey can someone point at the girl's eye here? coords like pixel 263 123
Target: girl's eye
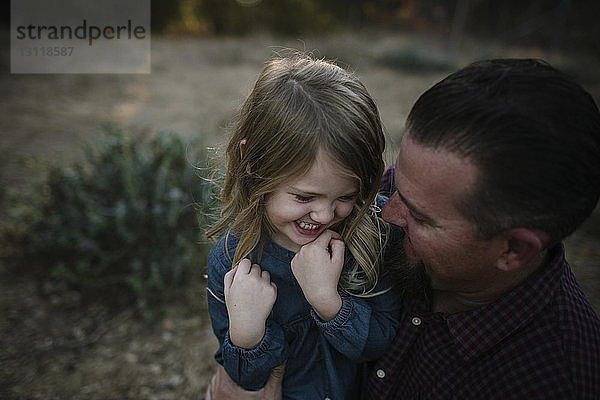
pixel 350 197
pixel 303 199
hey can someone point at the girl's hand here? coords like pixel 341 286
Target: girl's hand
pixel 249 297
pixel 317 268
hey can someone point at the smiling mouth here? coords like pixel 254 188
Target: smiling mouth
pixel 306 228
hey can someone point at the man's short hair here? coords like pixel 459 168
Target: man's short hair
pixel 532 132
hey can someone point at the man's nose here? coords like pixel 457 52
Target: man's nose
pixel 394 211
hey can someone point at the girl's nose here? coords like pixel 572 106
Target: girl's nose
pixel 394 211
pixel 323 215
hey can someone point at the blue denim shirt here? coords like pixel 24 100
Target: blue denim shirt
pixel 322 357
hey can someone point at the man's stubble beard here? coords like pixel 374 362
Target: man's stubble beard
pixel 409 277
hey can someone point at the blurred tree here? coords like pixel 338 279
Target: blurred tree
pixel 459 21
pixel 348 13
pixel 558 24
pixel 237 17
pixel 163 12
pixel 547 23
pixel 5 14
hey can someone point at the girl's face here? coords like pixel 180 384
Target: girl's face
pixel 303 207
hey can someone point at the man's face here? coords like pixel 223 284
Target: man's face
pixel 429 185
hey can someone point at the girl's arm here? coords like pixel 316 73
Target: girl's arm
pixel 317 268
pixel 359 328
pixel 249 368
pixel 249 297
pixel 364 327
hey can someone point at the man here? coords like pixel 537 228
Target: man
pixel 499 163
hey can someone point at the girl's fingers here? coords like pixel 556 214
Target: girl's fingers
pixel 337 250
pixel 228 278
pixel 265 275
pixel 325 238
pixel 244 266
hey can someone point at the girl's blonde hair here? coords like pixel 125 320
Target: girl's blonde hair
pixel 298 107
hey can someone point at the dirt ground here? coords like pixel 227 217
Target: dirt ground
pixel 54 347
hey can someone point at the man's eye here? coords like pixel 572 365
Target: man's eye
pixel 303 199
pixel 418 220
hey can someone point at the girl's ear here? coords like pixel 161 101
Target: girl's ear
pixel 242 143
pixel 521 248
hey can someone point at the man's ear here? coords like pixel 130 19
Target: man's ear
pixel 522 246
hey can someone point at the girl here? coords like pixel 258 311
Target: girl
pixel 304 164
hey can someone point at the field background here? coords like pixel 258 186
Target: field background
pixel 54 346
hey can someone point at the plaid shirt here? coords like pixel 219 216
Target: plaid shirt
pixel 387 186
pixel 540 341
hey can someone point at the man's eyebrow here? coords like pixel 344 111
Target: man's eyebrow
pixel 413 209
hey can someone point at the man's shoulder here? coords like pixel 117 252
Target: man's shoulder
pixel 555 334
pixel 560 347
pixel 568 313
pixel 567 337
pixel 576 317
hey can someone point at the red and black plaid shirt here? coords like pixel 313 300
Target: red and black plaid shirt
pixel 540 341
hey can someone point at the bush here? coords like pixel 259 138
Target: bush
pixel 125 219
pixel 412 59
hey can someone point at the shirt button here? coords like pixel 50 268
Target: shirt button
pixel 416 321
pixel 380 373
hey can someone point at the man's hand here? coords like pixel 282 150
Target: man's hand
pixel 317 268
pixel 249 297
pixel 221 387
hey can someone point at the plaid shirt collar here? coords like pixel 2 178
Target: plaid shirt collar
pixel 475 332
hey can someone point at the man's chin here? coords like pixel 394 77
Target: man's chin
pixel 409 275
pixel 412 263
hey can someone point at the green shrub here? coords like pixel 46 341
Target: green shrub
pixel 125 218
pixel 412 59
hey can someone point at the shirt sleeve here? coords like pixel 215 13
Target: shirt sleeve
pixel 250 369
pixel 364 327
